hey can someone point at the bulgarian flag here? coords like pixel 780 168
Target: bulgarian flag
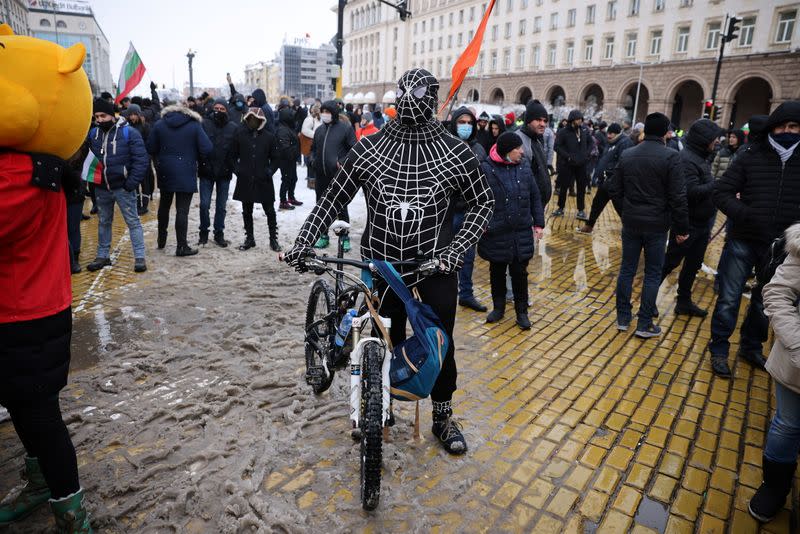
pixel 92 169
pixel 132 73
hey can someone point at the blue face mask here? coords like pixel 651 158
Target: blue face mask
pixel 464 131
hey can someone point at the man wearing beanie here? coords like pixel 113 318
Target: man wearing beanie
pixel 760 195
pixel 649 183
pixel 699 143
pixel 572 148
pixel 531 133
pixel 135 117
pixel 121 150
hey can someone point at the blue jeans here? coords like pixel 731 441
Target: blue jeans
pixel 735 265
pixel 126 200
pixel 783 438
pixel 206 188
pixel 465 274
pixel 633 243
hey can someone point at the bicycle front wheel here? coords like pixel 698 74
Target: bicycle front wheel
pixel 320 336
pixel 371 423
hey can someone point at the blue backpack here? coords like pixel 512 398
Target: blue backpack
pixel 417 361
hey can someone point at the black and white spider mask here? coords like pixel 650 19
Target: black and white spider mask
pixel 417 97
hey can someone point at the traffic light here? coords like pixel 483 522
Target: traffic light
pixel 733 28
pixel 708 109
pixel 401 9
pixel 717 112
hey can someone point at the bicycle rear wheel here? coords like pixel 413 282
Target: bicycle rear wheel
pixel 320 336
pixel 371 423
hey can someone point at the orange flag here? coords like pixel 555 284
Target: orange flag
pixel 468 57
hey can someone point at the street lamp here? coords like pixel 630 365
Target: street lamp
pixel 638 89
pixel 190 57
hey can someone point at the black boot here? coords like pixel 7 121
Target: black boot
pixel 274 245
pixel 203 240
pixel 447 431
pixel 689 308
pixel 719 364
pixel 185 250
pixel 98 264
pixel 771 496
pixel 496 314
pixel 522 315
pixel 249 243
pixel 162 240
pixel 754 358
pixel 219 239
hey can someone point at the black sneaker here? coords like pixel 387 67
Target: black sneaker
pixel 472 303
pixel 558 212
pixel 494 316
pixel 98 264
pixel 523 322
pixel 648 332
pixel 248 244
pixel 719 365
pixel 139 265
pixel 185 250
pixel 274 245
pixel 448 432
pixel 581 216
pixel 622 325
pixel 75 268
pixel 203 240
pixel 691 309
pixel 219 239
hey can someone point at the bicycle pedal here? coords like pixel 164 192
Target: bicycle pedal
pixel 355 434
pixel 315 375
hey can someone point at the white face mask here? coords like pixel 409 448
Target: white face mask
pixel 325 117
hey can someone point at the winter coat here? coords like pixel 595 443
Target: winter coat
pixel 369 129
pixel 572 147
pixel 286 137
pixel 235 110
pixel 649 183
pixel 310 126
pixel 218 165
pixel 255 154
pixel 534 154
pixel 722 161
pixel 460 205
pixel 122 153
pixel 177 142
pixel 517 209
pixel 695 158
pixel 781 295
pixel 602 142
pixel 549 138
pixel 484 137
pixel 769 191
pixel 331 144
pixel 300 115
pixel 608 162
pixel 260 101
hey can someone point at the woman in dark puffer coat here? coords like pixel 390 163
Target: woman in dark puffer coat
pixel 518 216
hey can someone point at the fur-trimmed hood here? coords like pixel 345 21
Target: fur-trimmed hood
pixel 793 240
pixel 176 115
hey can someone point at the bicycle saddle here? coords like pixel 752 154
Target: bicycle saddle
pixel 340 226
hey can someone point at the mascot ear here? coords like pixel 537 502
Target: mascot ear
pixel 72 59
pixel 5 29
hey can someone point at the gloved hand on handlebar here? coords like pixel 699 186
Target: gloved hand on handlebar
pixel 295 256
pixel 450 261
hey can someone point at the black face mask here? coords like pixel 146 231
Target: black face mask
pixel 105 125
pixel 220 118
pixel 417 97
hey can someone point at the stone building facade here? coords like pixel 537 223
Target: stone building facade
pixel 585 54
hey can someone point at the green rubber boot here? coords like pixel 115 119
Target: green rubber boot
pixel 71 515
pixel 34 494
pixel 322 242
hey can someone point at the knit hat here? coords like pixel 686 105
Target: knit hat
pixel 105 95
pixel 534 110
pixel 603 124
pixel 703 131
pixel 506 142
pixel 656 124
pixel 614 128
pixel 390 112
pixel 101 105
pixel 366 116
pixel 758 124
pixel 509 118
pixel 788 111
pixel 484 116
pixel 133 109
pixel 221 101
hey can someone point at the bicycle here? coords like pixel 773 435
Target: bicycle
pixel 365 345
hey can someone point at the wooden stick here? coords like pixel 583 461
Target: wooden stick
pixel 416 423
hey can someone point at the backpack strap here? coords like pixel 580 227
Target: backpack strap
pixel 392 277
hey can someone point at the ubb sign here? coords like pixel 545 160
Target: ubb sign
pixel 62 6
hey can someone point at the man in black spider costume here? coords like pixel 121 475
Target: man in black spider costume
pixel 411 171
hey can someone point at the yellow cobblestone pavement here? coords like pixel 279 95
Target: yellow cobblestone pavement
pixel 580 428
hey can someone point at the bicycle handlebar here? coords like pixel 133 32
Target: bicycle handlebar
pixel 426 267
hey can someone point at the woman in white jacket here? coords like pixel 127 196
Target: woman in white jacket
pixel 310 125
pixel 781 297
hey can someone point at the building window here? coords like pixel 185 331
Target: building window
pixel 785 26
pixel 523 4
pixel 460 39
pixel 630 49
pixel 655 43
pixel 683 39
pixel 439 68
pixel 481 62
pixel 423 26
pixel 554 21
pixel 537 24
pixel 713 34
pixel 522 26
pixel 746 33
pixel 471 34
pixel 686 3
pixel 422 47
pixel 590 14
pixel 521 58
pixel 430 46
pixel 507 60
pixel 449 41
pixel 536 58
pixel 571 15
pixel 61 24
pixel 472 13
pixel 609 52
pixel 493 61
pixel 659 5
pixel 461 16
pixel 441 22
pixel 508 30
pixel 588 50
pixel 494 32
pixel 551 55
pixel 440 42
pixel 45 23
pixel 634 10
pixel 570 55
pixel 611 12
pixel 415 48
pixel 539 3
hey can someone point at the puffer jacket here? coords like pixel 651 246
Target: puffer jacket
pixel 219 164
pixel 517 209
pixel 177 142
pixel 332 142
pixel 722 161
pixel 769 193
pixel 697 171
pixel 780 305
pixel 123 154
pixel 286 137
pixel 649 183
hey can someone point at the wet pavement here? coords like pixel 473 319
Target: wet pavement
pixel 573 426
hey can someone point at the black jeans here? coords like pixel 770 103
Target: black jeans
pixel 691 252
pixel 440 293
pixel 599 203
pixel 272 221
pixel 182 203
pixel 518 270
pixel 573 175
pixel 320 186
pixel 74 217
pixel 288 180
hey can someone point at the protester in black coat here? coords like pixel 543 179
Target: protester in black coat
pixel 484 136
pixel 260 101
pixel 255 154
pixel 531 133
pixel 288 152
pixel 137 119
pixel 699 143
pixel 572 147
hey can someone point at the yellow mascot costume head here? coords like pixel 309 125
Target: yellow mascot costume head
pixel 45 98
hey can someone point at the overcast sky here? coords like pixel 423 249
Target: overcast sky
pixel 225 34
